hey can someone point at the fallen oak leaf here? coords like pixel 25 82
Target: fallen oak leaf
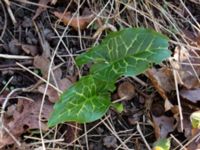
pixel 79 22
pixel 24 117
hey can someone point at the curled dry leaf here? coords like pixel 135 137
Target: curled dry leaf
pixel 162 80
pixel 163 125
pixel 126 90
pixel 24 116
pixel 77 22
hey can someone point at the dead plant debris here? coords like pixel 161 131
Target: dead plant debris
pixel 50 47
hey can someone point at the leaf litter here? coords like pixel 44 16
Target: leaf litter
pixel 23 116
pixel 20 121
pixel 77 22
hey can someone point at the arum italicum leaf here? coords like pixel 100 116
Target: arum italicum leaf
pixel 83 102
pixel 128 52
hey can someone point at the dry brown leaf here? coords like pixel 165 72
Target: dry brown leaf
pixel 79 22
pixel 191 95
pixel 24 116
pixel 163 77
pixel 42 7
pixel 163 126
pixel 162 80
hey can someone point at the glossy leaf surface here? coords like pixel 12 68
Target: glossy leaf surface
pixel 128 52
pixel 86 101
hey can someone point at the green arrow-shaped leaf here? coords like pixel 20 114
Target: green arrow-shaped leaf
pixel 83 102
pixel 128 52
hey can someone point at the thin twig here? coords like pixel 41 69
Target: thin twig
pixel 7 2
pixel 6 85
pixel 190 141
pixel 6 56
pixel 5 23
pixel 115 134
pixel 141 134
pixel 177 141
pixel 178 98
